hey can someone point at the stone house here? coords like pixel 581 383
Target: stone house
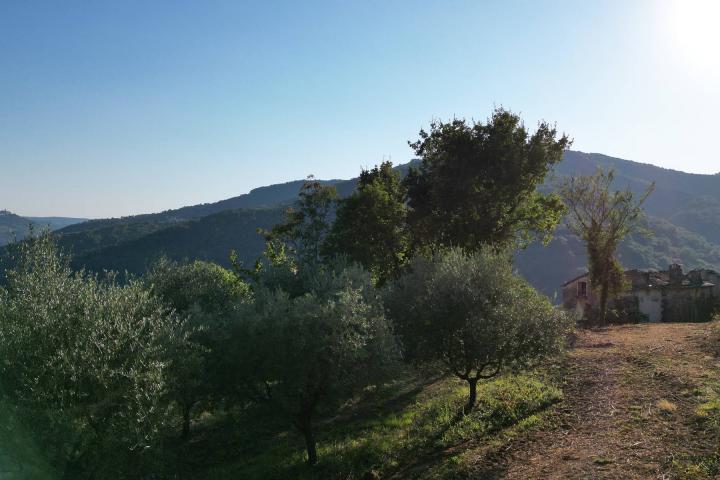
pixel 656 296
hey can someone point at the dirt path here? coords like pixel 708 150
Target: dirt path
pixel 629 410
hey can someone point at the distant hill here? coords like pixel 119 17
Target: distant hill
pixel 15 227
pixel 684 213
pixel 261 197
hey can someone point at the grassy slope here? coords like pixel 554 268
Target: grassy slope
pixel 631 402
pixel 406 430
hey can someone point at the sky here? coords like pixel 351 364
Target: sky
pixel 113 108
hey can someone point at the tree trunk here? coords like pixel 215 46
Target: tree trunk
pixel 186 422
pixel 310 444
pixel 603 303
pixel 472 382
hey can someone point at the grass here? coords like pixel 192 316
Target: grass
pixel 403 429
pixel 707 414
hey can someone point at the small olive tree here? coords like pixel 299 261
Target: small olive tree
pixel 83 365
pixel 208 295
pixel 309 353
pixel 470 313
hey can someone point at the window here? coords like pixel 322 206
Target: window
pixel 582 289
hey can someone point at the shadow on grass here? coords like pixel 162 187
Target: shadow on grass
pixel 413 429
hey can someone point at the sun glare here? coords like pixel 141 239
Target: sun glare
pixel 693 28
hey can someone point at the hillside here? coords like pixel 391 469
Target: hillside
pixel 261 197
pixel 209 238
pixel 683 213
pixel 16 227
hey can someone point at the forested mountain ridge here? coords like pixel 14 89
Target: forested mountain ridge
pixel 683 212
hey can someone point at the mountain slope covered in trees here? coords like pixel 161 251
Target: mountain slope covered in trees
pixel 683 212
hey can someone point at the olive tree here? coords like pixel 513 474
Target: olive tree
pixel 207 295
pixel 83 364
pixel 469 313
pixel 309 353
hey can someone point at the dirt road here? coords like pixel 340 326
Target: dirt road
pixel 631 395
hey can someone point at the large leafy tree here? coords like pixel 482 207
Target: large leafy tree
pixel 477 183
pixel 370 226
pixel 83 365
pixel 602 217
pixel 472 315
pixel 309 353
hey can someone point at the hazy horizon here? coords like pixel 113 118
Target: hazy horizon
pixel 112 109
pixel 320 177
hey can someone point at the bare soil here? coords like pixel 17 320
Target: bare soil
pixel 631 393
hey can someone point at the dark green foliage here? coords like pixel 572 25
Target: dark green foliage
pixel 210 238
pixel 370 226
pixel 470 313
pixel 307 223
pixel 83 366
pixel 477 183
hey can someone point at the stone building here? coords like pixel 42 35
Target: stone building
pixel 655 296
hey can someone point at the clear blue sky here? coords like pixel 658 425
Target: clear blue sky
pixel 122 107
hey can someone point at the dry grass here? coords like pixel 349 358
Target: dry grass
pixel 666 406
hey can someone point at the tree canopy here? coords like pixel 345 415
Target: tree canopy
pixel 307 223
pixel 477 183
pixel 370 226
pixel 208 296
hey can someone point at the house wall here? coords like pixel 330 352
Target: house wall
pixel 650 303
pixel 714 278
pixel 688 304
pixel 570 299
pixel 662 303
